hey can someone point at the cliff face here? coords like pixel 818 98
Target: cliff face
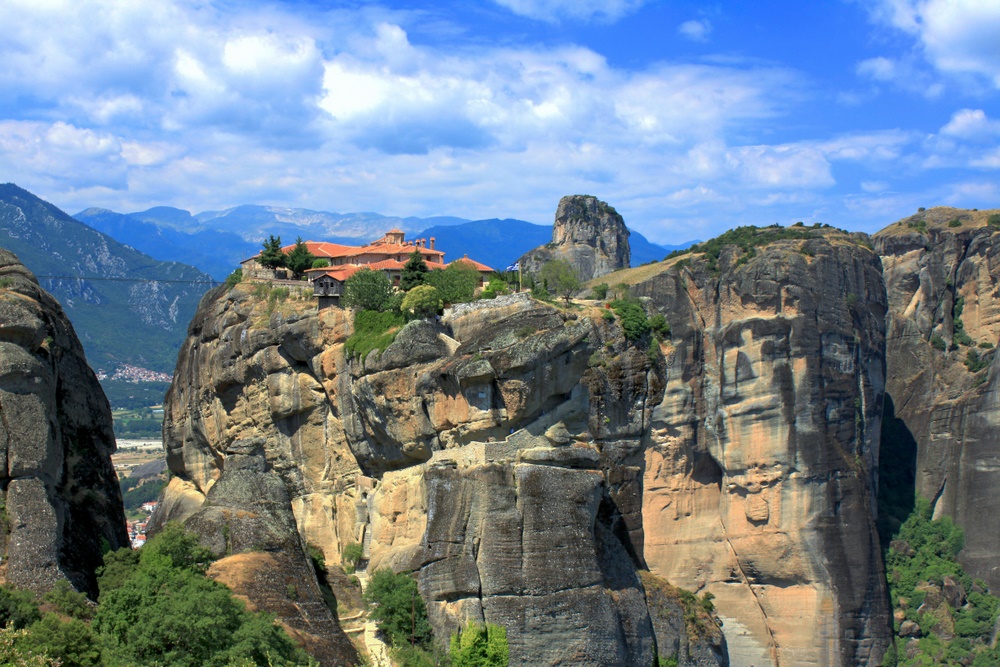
pixel 589 234
pixel 61 501
pixel 760 473
pixel 942 268
pixel 526 462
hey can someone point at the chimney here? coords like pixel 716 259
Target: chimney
pixel 432 242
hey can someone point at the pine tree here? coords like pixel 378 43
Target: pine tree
pixel 414 272
pixel 299 258
pixel 271 256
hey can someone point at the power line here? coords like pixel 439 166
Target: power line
pixel 133 280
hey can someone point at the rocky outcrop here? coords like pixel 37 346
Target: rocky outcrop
pixel 589 234
pixel 761 469
pixel 942 269
pixel 61 505
pixel 527 461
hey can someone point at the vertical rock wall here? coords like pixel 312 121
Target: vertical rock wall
pixel 760 474
pixel 942 272
pixel 61 505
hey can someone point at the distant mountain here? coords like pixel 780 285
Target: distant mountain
pixel 126 307
pixel 214 252
pixel 216 241
pixel 498 243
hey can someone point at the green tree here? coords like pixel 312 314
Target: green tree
pixel 456 283
pixel 633 318
pixel 299 258
pixel 480 646
pixel 68 601
pixel 166 612
pixel 17 608
pixel 398 609
pixel 367 289
pixel 600 291
pixel 271 256
pixel 320 263
pixel 70 642
pixel 15 654
pixel 496 286
pixel 414 272
pixel 559 277
pixel 422 301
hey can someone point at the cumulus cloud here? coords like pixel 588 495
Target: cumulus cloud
pixel 971 124
pixel 695 30
pixel 607 11
pixel 957 37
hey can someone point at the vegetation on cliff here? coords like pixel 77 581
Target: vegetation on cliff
pixel 156 607
pixel 941 615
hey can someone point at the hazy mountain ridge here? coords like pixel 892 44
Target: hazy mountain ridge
pixel 216 241
pixel 126 307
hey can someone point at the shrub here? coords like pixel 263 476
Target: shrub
pixel 372 330
pixel 234 279
pixel 398 609
pixel 320 263
pixel 938 343
pixel 480 646
pixel 351 556
pixel 974 362
pixel 993 220
pixel 67 601
pixel 70 642
pixel 422 301
pixel 17 608
pixel 600 291
pixel 658 323
pixel 560 276
pixel 633 318
pixel 367 289
pixel 954 222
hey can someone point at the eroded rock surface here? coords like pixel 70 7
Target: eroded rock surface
pixel 942 269
pixel 589 234
pixel 527 461
pixel 61 501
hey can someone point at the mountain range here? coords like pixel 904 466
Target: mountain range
pixel 216 241
pixel 127 307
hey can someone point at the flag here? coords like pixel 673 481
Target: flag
pixel 516 266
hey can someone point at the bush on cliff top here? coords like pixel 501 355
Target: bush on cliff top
pixel 746 238
pixel 373 330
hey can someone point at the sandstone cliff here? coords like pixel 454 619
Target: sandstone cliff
pixel 942 273
pixel 527 461
pixel 589 234
pixel 60 503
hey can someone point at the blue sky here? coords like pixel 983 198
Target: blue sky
pixel 688 117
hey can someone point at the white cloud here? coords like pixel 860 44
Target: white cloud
pixel 957 37
pixel 695 30
pixel 577 10
pixel 880 69
pixel 971 124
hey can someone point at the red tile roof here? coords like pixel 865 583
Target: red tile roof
pixel 479 266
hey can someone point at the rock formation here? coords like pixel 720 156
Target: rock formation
pixel 589 234
pixel 941 272
pixel 61 504
pixel 526 461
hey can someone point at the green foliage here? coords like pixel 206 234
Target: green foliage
pixel 993 220
pixel 414 656
pixel 666 662
pixel 367 289
pixel 954 222
pixel 422 301
pixel 746 238
pixel 600 291
pixel 351 555
pixel 17 608
pixel 632 316
pixel 653 351
pixel 456 283
pixel 919 225
pixel 559 276
pixel 271 256
pixel 320 263
pixel 938 343
pixel 70 642
pixel 234 279
pixel 14 653
pixel 660 326
pixel 928 557
pixel 986 345
pixel 373 330
pixel 299 258
pixel 398 609
pixel 496 286
pixel 974 362
pixel 480 646
pixel 68 601
pixel 164 611
pixel 414 272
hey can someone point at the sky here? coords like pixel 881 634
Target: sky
pixel 688 117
